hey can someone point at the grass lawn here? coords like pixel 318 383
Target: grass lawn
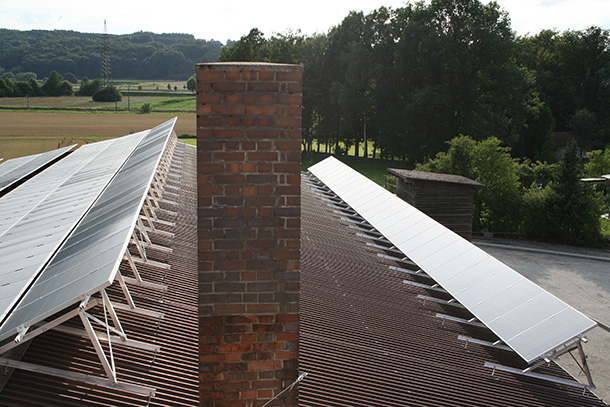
pixel 191 141
pixel 605 224
pixel 375 169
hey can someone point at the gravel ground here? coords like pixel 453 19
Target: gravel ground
pixel 578 276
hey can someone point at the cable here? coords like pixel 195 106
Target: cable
pixel 301 377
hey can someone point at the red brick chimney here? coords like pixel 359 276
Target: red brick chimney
pixel 248 167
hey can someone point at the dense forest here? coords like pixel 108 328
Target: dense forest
pixel 141 55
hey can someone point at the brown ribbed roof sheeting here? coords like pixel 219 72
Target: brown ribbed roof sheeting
pixel 173 371
pixel 367 340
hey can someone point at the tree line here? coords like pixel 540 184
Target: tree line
pixel 448 86
pixel 410 79
pixel 141 55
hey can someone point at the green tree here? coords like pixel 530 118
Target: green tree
pixel 36 89
pixel 191 84
pixel 571 71
pixel 458 74
pixel 498 204
pixel 55 85
pixel 566 211
pixel 89 88
pixel 70 77
pixel 586 129
pixel 109 93
pixel 247 48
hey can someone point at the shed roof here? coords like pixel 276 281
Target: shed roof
pixel 434 177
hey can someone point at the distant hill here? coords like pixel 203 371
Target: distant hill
pixel 142 55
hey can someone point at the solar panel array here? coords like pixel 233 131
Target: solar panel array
pixel 12 171
pixel 118 179
pixel 38 216
pixel 527 318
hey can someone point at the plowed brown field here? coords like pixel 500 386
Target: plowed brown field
pixel 31 133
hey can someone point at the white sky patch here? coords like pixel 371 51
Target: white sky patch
pixel 206 19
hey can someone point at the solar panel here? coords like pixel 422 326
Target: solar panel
pixel 11 171
pixel 527 318
pixel 89 258
pixel 38 216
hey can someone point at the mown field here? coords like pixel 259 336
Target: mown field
pixel 24 133
pixel 162 103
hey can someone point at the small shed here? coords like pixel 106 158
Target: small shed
pixel 446 198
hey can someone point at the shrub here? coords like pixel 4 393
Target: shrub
pixel 89 88
pixel 565 211
pixel 145 108
pixel 108 94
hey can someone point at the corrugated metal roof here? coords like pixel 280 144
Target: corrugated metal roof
pixel 368 340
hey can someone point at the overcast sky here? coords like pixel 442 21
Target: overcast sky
pixel 230 19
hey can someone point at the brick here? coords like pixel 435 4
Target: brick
pixel 232 121
pixel 249 190
pixel 248 167
pixel 293 76
pixel 294 87
pixel 232 75
pixel 204 110
pixel 205 98
pixel 209 121
pixel 229 156
pixel 248 121
pixel 287 122
pixel 264 365
pixel 229 178
pixel 262 308
pixel 268 87
pixel 229 110
pixel 289 99
pixel 257 110
pixel 264 134
pixel 228 309
pixel 249 99
pixel 263 122
pixel 229 87
pixel 266 76
pixel 286 355
pixel 204 87
pixel 261 156
pixel 232 99
pixel 225 133
pixel 210 75
pixel 211 358
pixel 232 168
pixel 288 318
